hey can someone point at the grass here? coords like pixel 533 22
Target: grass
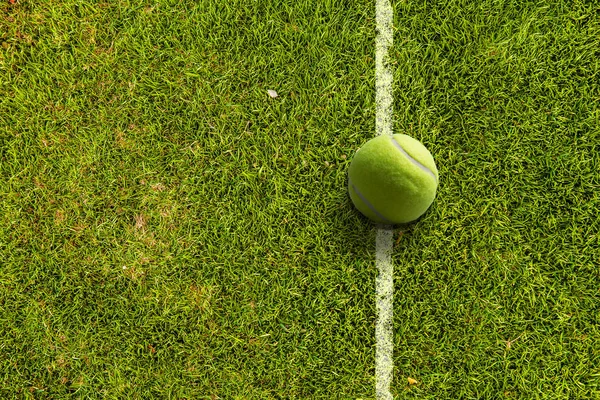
pixel 168 230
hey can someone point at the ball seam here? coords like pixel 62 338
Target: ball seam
pixel 368 204
pixel 415 162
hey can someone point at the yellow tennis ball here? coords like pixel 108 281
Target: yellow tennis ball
pixel 392 179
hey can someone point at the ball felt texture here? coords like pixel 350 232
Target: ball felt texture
pixel 392 179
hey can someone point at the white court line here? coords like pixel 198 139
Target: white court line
pixel 384 283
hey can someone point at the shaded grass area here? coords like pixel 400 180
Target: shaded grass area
pixel 168 230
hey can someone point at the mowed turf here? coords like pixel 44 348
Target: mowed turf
pixel 169 230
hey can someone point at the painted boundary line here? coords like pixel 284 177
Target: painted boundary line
pixel 384 283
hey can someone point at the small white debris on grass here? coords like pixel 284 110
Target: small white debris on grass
pixel 272 93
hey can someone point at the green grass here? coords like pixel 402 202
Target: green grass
pixel 168 230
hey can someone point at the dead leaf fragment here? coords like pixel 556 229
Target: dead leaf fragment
pixel 412 381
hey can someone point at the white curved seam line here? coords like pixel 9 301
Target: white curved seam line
pixel 371 207
pixel 418 164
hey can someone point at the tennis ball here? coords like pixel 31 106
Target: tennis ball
pixel 392 179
